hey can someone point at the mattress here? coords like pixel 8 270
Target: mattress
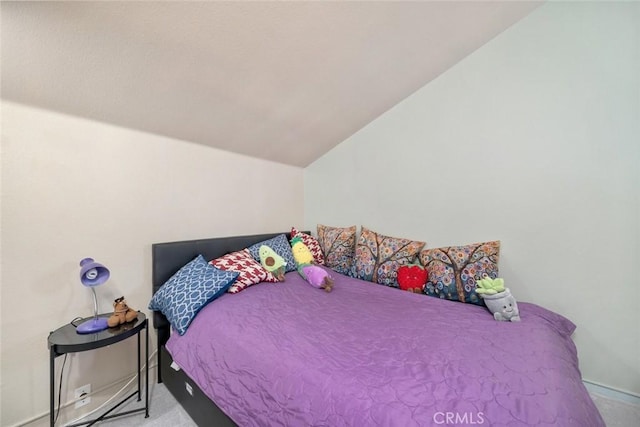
pixel 368 355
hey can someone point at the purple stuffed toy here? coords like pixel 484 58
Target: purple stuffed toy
pixel 316 276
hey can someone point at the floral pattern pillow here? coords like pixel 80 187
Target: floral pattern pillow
pixel 453 270
pixel 311 243
pixel 338 247
pixel 378 257
pixel 251 272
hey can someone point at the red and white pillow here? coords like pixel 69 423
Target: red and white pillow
pixel 311 243
pixel 251 272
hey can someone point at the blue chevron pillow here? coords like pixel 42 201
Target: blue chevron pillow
pixel 191 288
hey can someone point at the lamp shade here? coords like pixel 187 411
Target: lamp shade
pixel 93 273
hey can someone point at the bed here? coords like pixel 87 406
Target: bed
pixel 365 354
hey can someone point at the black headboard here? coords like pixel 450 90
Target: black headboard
pixel 168 258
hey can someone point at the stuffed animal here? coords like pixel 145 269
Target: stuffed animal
pixel 412 278
pixel 122 313
pixel 489 286
pixel 498 299
pixel 316 276
pixel 272 262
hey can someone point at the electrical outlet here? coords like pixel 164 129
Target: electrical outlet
pixel 81 395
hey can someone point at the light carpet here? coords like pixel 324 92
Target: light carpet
pixel 164 411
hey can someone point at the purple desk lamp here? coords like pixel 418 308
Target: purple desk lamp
pixel 93 274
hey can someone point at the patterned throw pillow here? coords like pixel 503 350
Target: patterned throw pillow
pixel 453 270
pixel 338 247
pixel 311 243
pixel 191 288
pixel 281 246
pixel 378 257
pixel 251 272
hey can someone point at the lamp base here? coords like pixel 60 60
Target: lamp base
pixel 93 325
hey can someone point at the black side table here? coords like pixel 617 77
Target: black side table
pixel 66 340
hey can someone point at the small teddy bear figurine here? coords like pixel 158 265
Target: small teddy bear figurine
pixel 122 313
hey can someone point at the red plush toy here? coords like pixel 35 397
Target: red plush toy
pixel 412 278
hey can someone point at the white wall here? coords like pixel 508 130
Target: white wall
pixel 73 188
pixel 534 139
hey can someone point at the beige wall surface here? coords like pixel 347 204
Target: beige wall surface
pixel 73 188
pixel 534 140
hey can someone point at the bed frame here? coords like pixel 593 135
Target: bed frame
pixel 167 259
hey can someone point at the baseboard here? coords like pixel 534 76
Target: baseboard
pixel 612 393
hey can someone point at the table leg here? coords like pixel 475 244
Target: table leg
pixel 139 381
pixel 52 367
pixel 146 374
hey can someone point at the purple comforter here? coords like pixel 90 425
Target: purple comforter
pixel 367 355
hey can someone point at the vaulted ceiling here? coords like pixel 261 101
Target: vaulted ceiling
pixel 284 81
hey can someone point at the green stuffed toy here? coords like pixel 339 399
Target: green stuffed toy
pixel 498 299
pixel 272 262
pixel 489 286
